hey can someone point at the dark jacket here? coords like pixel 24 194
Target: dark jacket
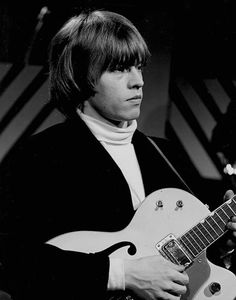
pixel 63 180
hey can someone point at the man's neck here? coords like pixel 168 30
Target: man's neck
pixel 90 111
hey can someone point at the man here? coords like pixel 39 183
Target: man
pixel 90 172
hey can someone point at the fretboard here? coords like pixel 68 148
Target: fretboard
pixel 206 232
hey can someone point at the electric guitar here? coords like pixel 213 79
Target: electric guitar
pixel 175 224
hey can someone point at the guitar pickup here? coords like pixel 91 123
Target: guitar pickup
pixel 171 249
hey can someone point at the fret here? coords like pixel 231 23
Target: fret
pixel 188 245
pixel 226 211
pixel 220 221
pixel 216 228
pixel 210 229
pixel 197 239
pixel 195 247
pixel 231 208
pixel 221 212
pixel 232 202
pixel 203 238
pixel 206 233
pixel 231 205
pixel 218 225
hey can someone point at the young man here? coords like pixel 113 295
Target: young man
pixel 90 173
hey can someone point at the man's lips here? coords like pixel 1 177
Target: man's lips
pixel 138 97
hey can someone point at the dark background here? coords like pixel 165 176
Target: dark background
pixel 201 33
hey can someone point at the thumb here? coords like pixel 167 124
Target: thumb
pixel 229 194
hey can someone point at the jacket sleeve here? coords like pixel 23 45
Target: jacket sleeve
pixel 30 268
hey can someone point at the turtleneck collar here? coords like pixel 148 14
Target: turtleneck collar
pixel 107 133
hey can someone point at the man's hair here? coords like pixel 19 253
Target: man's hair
pixel 86 46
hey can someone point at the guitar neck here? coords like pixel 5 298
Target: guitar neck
pixel 210 229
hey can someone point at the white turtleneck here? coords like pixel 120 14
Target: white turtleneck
pixel 118 143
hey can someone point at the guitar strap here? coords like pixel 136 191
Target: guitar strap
pixel 169 164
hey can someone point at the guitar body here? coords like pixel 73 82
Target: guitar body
pixel 159 216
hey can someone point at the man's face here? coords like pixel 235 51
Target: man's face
pixel 118 95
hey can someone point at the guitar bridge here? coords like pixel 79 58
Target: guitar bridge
pixel 171 249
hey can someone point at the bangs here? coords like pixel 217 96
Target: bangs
pixel 118 46
pixel 125 53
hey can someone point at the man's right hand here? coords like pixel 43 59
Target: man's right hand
pixel 154 277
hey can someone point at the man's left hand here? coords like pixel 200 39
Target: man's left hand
pixel 231 225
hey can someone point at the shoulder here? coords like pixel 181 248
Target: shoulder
pixel 57 136
pixel 177 156
pixel 43 144
pixel 163 143
pixel 172 151
pixel 47 140
pixel 51 133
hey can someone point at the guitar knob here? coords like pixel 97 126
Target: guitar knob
pixel 159 203
pixel 179 203
pixel 214 287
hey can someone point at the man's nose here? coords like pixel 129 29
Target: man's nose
pixel 136 78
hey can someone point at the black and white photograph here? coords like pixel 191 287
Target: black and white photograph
pixel 118 150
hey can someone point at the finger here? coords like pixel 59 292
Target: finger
pixel 228 195
pixel 232 223
pixel 175 290
pixel 179 268
pixel 168 295
pixel 182 278
pixel 178 289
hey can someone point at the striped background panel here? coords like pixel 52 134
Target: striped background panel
pixel 194 109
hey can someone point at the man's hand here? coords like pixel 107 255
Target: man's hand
pixel 154 277
pixel 231 237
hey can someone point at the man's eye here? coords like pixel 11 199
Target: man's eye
pixel 140 67
pixel 121 68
